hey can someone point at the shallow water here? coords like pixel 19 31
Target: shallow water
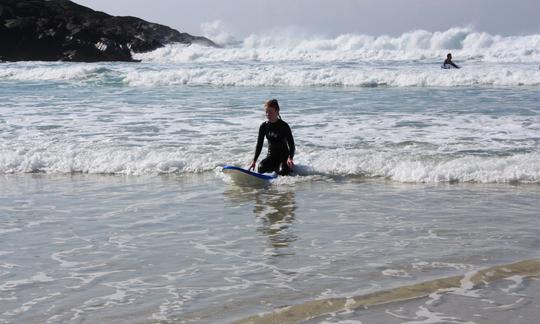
pixel 431 135
pixel 198 248
pixel 514 300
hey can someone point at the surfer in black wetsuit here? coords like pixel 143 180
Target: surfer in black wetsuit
pixel 448 62
pixel 280 142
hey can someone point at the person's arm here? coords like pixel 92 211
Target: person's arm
pixel 292 147
pixel 454 65
pixel 258 148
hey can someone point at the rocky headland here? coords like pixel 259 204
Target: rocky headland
pixel 61 30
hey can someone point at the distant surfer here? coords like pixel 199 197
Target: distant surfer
pixel 448 64
pixel 280 142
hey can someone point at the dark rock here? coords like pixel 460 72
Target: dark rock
pixel 52 30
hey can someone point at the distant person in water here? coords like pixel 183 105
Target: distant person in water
pixel 448 64
pixel 280 142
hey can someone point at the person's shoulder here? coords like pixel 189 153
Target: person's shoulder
pixel 285 125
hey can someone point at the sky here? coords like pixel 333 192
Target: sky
pixel 242 18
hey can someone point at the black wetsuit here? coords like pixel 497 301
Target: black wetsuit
pixel 280 147
pixel 449 62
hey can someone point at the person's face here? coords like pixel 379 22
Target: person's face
pixel 271 113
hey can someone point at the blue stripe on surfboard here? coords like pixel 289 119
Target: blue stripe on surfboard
pixel 255 174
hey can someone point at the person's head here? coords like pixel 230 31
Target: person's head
pixel 271 109
pixel 449 55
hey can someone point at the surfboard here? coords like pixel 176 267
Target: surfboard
pixel 447 66
pixel 243 176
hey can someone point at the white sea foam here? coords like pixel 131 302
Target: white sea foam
pixel 298 60
pixel 517 284
pixel 28 305
pixel 41 71
pixel 293 76
pixel 292 59
pixel 439 151
pixel 39 277
pixel 396 165
pixel 467 287
pixel 426 316
pixel 217 31
pixel 395 273
pixel 487 135
pixel 281 74
pixel 281 45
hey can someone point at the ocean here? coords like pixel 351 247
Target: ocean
pixel 415 196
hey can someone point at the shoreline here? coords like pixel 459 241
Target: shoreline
pixel 461 284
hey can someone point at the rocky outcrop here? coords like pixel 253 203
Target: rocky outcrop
pixel 52 30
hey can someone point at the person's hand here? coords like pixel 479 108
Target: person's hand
pixel 252 166
pixel 290 163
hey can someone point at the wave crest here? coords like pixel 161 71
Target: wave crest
pixel 400 167
pixel 415 45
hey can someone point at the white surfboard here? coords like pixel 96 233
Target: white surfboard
pixel 245 177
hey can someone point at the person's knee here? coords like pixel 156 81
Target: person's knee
pixel 285 170
pixel 268 165
pixel 263 167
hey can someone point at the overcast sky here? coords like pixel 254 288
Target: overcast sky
pixel 333 17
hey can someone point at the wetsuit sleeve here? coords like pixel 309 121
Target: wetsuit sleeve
pixel 260 141
pixel 290 142
pixel 447 61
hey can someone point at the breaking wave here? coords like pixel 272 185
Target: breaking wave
pixel 288 59
pixel 396 166
pixel 465 43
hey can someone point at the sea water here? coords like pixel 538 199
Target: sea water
pixel 113 206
